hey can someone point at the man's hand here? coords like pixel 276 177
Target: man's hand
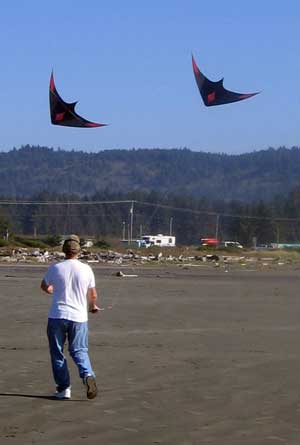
pixel 93 308
pixel 48 288
pixel 92 296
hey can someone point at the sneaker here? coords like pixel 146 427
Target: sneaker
pixel 63 395
pixel 91 387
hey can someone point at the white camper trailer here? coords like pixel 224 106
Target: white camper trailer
pixel 158 240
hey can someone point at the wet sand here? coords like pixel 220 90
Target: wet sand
pixel 183 356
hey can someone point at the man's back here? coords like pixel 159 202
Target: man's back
pixel 71 280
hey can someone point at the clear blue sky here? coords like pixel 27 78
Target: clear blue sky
pixel 128 63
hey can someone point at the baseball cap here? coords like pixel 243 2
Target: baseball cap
pixel 71 245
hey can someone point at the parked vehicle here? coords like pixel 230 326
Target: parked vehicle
pixel 231 244
pixel 209 242
pixel 157 240
pixel 264 247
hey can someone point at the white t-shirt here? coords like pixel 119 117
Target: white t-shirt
pixel 71 280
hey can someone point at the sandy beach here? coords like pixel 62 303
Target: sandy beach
pixel 183 356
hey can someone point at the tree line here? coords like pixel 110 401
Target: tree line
pixel 113 215
pixel 248 177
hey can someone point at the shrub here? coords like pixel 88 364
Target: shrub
pixel 102 244
pixel 30 242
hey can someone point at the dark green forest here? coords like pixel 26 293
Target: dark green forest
pixel 194 195
pixel 248 177
pixel 108 215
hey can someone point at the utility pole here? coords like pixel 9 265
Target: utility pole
pixel 217 226
pixel 131 221
pixel 123 230
pixel 171 226
pixel 277 232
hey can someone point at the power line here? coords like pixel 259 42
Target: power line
pixel 64 202
pixel 145 203
pixel 215 213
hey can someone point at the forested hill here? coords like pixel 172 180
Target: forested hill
pixel 262 174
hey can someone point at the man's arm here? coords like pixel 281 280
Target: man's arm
pixel 92 299
pixel 48 288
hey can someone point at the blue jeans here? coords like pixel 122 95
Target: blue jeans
pixel 58 331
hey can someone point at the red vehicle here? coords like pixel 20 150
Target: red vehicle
pixel 209 242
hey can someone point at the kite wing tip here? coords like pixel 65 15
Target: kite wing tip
pixel 195 66
pixel 247 96
pixel 52 84
pixel 95 125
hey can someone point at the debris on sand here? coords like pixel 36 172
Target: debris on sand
pixel 133 258
pixel 121 274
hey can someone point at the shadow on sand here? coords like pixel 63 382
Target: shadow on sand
pixel 35 396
